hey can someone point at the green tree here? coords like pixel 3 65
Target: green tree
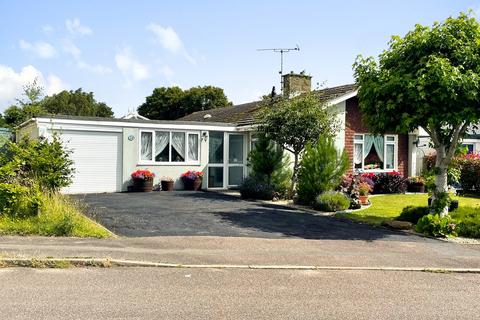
pixel 430 78
pixel 321 169
pixel 28 106
pixel 172 103
pixel 269 164
pixel 294 122
pixel 75 103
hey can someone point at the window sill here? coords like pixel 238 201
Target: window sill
pixel 374 170
pixel 162 164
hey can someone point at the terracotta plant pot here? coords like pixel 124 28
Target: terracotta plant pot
pixel 363 200
pixel 416 187
pixel 167 185
pixel 143 185
pixel 194 185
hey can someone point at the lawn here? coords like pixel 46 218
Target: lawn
pixel 58 216
pixel 388 207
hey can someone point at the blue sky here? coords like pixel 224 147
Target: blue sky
pixel 122 50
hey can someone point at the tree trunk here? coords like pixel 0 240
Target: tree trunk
pixel 441 179
pixel 295 173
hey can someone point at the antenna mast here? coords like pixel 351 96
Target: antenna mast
pixel 281 51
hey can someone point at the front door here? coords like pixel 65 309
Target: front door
pixel 226 159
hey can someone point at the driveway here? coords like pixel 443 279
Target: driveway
pixel 183 213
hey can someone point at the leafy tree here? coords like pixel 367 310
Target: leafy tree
pixel 321 169
pixel 76 103
pixel 270 165
pixel 27 107
pixel 172 103
pixel 430 78
pixel 294 122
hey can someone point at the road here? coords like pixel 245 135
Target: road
pixel 149 293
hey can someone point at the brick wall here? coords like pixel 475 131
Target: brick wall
pixel 354 124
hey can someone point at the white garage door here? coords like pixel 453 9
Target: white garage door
pixel 97 160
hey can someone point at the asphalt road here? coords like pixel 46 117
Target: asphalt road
pixel 184 213
pixel 146 293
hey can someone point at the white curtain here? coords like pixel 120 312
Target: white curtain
pixel 357 155
pixel 178 143
pixel 379 144
pixel 146 141
pixel 367 144
pixel 193 147
pixel 161 141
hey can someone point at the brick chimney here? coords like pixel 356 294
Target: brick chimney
pixel 296 83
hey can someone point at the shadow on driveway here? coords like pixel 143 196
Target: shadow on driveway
pixel 183 213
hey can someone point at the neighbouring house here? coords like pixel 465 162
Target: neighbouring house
pixel 106 151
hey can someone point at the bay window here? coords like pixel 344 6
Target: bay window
pixel 169 147
pixel 374 152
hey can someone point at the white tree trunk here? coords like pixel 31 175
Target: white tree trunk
pixel 441 179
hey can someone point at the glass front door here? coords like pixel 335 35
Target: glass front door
pixel 236 159
pixel 226 159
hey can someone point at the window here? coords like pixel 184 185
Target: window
pixel 469 146
pixel 374 152
pixel 169 147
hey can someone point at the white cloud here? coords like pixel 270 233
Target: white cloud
pixel 93 68
pixel 41 49
pixel 70 48
pixel 12 83
pixel 76 28
pixel 54 85
pixel 48 29
pixel 169 39
pixel 131 68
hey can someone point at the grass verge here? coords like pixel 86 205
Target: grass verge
pixel 58 216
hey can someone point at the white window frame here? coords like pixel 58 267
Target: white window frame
pixel 385 143
pixel 169 162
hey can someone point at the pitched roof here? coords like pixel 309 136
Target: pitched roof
pixel 244 114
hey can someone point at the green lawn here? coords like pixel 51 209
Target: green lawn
pixel 388 207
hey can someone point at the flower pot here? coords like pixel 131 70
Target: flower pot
pixel 363 200
pixel 194 185
pixel 143 185
pixel 167 185
pixel 416 187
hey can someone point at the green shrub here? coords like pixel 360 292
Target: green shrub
pixel 36 162
pixel 434 225
pixel 251 188
pixel 18 201
pixel 270 165
pixel 468 221
pixel 321 169
pixel 331 201
pixel 413 214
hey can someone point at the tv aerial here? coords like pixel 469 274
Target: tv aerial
pixel 281 51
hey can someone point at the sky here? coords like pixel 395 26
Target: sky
pixel 122 50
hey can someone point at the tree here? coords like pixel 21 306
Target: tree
pixel 269 164
pixel 294 122
pixel 430 78
pixel 321 169
pixel 27 107
pixel 172 103
pixel 75 103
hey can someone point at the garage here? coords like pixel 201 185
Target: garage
pixel 97 158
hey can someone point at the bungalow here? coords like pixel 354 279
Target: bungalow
pixel 106 150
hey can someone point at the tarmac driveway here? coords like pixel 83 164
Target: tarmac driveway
pixel 184 213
